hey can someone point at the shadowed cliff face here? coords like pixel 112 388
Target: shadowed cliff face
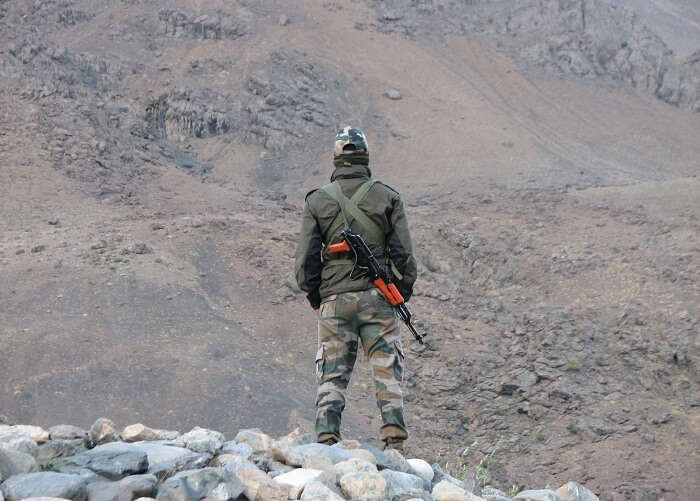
pixel 153 164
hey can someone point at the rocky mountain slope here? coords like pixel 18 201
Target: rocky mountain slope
pixel 153 163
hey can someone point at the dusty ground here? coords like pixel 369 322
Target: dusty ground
pixel 153 164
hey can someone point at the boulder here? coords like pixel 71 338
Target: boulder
pixel 383 461
pixel 103 431
pixel 167 469
pixel 260 487
pixel 448 491
pixel 256 439
pixel 159 452
pixel 538 495
pixel 366 486
pixel 202 440
pixel 127 488
pixel 15 462
pixel 316 491
pixel 139 432
pixel 401 464
pixel 280 449
pixel 17 440
pixel 36 433
pixel 296 480
pixel 309 454
pixel 353 465
pixel 422 468
pixel 47 483
pixel 363 454
pixel 67 432
pixel 59 448
pixel 571 491
pixel 191 485
pixel 400 485
pixel 113 461
pixel 242 450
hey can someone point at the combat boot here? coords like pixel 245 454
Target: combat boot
pixel 394 443
pixel 327 439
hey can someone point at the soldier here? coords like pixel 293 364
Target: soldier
pixel 353 310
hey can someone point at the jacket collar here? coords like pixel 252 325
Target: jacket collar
pixel 350 172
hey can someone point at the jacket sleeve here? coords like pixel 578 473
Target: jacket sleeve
pixel 308 262
pixel 401 250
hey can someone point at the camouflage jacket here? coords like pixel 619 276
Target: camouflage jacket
pixel 383 205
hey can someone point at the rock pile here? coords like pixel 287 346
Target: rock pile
pixel 66 462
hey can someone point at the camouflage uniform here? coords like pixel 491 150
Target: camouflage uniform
pixel 353 311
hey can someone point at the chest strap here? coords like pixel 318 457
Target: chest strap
pixel 348 207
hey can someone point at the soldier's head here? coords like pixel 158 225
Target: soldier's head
pixel 350 147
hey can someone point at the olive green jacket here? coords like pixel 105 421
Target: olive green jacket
pixel 314 272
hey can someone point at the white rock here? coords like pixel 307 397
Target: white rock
pixel 366 486
pixel 423 468
pixel 39 435
pixel 296 480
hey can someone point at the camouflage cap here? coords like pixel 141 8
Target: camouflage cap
pixel 350 140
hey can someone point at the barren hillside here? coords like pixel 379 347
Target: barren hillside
pixel 154 158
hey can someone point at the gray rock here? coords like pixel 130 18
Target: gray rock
pixel 202 440
pixel 59 485
pixel 401 464
pixel 54 449
pixel 14 463
pixel 393 94
pixel 384 462
pixel 469 484
pixel 103 431
pixel 67 432
pixel 167 469
pixel 538 495
pixel 160 452
pixel 127 488
pixel 112 461
pixel 242 450
pixel 401 486
pixel 283 20
pixel 191 485
pixel 17 440
pixel 310 454
pixel 316 491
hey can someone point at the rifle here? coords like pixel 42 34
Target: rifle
pixel 367 264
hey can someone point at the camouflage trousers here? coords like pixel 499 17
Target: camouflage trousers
pixel 344 321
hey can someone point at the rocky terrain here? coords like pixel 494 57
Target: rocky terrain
pixel 67 462
pixel 153 163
